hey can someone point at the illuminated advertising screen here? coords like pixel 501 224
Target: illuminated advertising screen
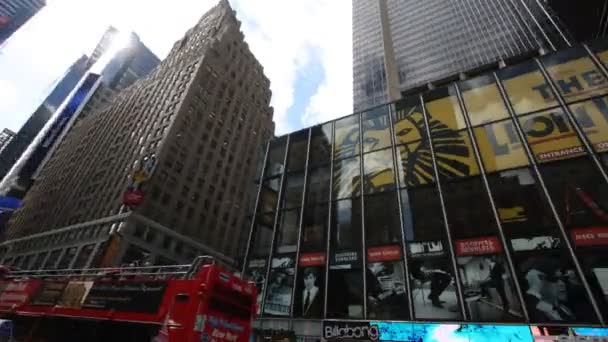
pixel 59 125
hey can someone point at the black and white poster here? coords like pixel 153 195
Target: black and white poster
pixel 256 271
pixel 489 291
pixel 386 295
pixel 280 285
pixel 309 300
pixel 433 289
pixel 553 291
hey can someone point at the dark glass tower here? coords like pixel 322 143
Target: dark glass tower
pixel 399 45
pixel 15 13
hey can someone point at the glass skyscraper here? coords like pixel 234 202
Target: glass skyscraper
pixel 400 45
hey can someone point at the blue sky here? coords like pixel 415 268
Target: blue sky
pixel 304 46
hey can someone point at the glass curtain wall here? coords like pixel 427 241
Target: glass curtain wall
pixel 486 200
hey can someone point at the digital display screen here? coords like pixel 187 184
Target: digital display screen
pixel 435 332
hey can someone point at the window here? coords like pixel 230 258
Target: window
pixel 375 127
pixel 347 137
pixel 526 88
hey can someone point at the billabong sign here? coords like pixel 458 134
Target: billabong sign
pixel 350 330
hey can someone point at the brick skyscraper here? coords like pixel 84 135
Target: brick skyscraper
pixel 203 114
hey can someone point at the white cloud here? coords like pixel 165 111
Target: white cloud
pixel 285 35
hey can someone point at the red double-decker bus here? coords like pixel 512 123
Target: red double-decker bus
pixel 198 302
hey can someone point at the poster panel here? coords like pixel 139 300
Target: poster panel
pixel 280 285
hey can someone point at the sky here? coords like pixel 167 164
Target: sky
pixel 305 47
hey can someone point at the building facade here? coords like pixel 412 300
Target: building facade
pixel 15 13
pixel 5 137
pixel 480 201
pixel 400 45
pixel 198 121
pixel 586 20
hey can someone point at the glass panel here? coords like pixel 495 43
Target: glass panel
pixel 376 131
pixel 346 224
pixel 83 256
pixel 551 136
pixel 408 121
pixel 499 146
pixel 526 88
pixel 443 111
pixel 314 228
pixel 39 260
pixel 592 116
pixel 320 144
pixel 347 180
pixel 433 290
pixel 280 285
pixel 262 235
pixel 415 164
pixel 382 224
pixel 538 252
pixel 292 195
pixel 51 261
pixel 453 149
pixel 345 292
pixel 276 157
pixel 318 185
pixel 487 283
pixel 347 137
pixel 378 171
pixel 298 144
pixel 482 100
pixel 287 234
pixel 581 199
pixel 309 299
pixel 575 74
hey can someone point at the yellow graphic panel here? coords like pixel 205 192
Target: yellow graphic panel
pixel 578 79
pixel 529 92
pixel 551 136
pixel 592 116
pixel 499 146
pixel 447 111
pixel 484 104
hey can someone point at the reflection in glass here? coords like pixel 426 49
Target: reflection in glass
pixel 422 219
pixel 499 146
pixel 592 117
pixel 378 171
pixel 296 157
pixel 314 228
pixel 551 136
pixel 262 235
pixel 287 234
pixel 346 224
pixel 575 74
pixel 345 293
pixel 482 100
pixel 408 121
pixel 269 195
pixel 347 180
pixel 318 185
pixel 347 137
pixel 382 224
pixel 468 209
pixel 526 88
pixel 376 131
pixel 293 187
pixel 415 164
pixel 320 144
pixel 276 157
